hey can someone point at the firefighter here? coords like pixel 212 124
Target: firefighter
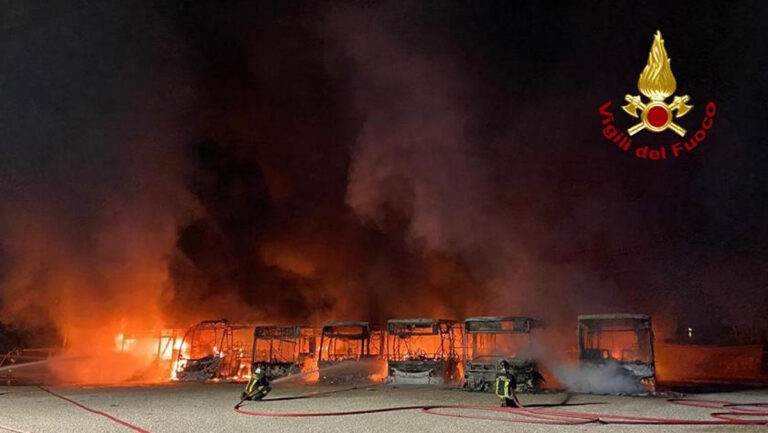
pixel 505 386
pixel 257 387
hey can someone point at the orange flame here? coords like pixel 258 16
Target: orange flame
pixel 656 81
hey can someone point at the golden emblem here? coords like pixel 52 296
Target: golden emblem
pixel 657 83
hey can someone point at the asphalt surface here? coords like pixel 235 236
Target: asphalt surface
pixel 193 407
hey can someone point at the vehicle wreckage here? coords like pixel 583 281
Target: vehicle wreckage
pixel 214 350
pixel 345 343
pixel 423 351
pixel 282 350
pixel 619 340
pixel 492 339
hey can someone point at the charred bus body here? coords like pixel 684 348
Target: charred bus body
pixel 349 342
pixel 282 350
pixel 492 339
pixel 214 349
pixel 621 341
pixel 423 351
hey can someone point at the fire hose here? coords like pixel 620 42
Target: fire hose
pixel 11 429
pixel 726 413
pixel 84 407
pixel 97 412
pixel 731 414
pixel 301 396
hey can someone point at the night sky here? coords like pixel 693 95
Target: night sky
pixel 352 160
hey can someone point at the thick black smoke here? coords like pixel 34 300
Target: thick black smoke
pixel 352 160
pixel 95 110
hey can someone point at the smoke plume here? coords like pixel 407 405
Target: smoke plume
pixel 92 175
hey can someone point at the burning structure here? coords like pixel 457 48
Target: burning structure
pixel 156 348
pixel 348 341
pixel 423 351
pixel 490 340
pixel 282 350
pixel 623 340
pixel 214 349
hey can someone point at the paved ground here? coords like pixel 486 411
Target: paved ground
pixel 192 407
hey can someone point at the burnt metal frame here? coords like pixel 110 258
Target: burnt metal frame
pixel 295 337
pixel 527 324
pixel 367 331
pixel 440 327
pixel 169 334
pixel 641 323
pixel 227 340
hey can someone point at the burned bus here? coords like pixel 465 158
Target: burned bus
pixel 423 351
pixel 493 339
pixel 345 343
pixel 619 341
pixel 214 350
pixel 282 350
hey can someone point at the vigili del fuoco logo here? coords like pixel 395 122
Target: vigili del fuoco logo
pixel 656 115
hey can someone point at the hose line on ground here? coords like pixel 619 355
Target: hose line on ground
pixel 97 412
pixel 732 414
pixel 726 413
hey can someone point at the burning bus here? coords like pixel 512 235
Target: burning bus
pixel 493 339
pixel 282 350
pixel 155 349
pixel 348 341
pixel 214 349
pixel 622 341
pixel 423 351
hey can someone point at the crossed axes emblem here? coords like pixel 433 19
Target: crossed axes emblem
pixel 656 116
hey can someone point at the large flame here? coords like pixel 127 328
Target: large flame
pixel 656 81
